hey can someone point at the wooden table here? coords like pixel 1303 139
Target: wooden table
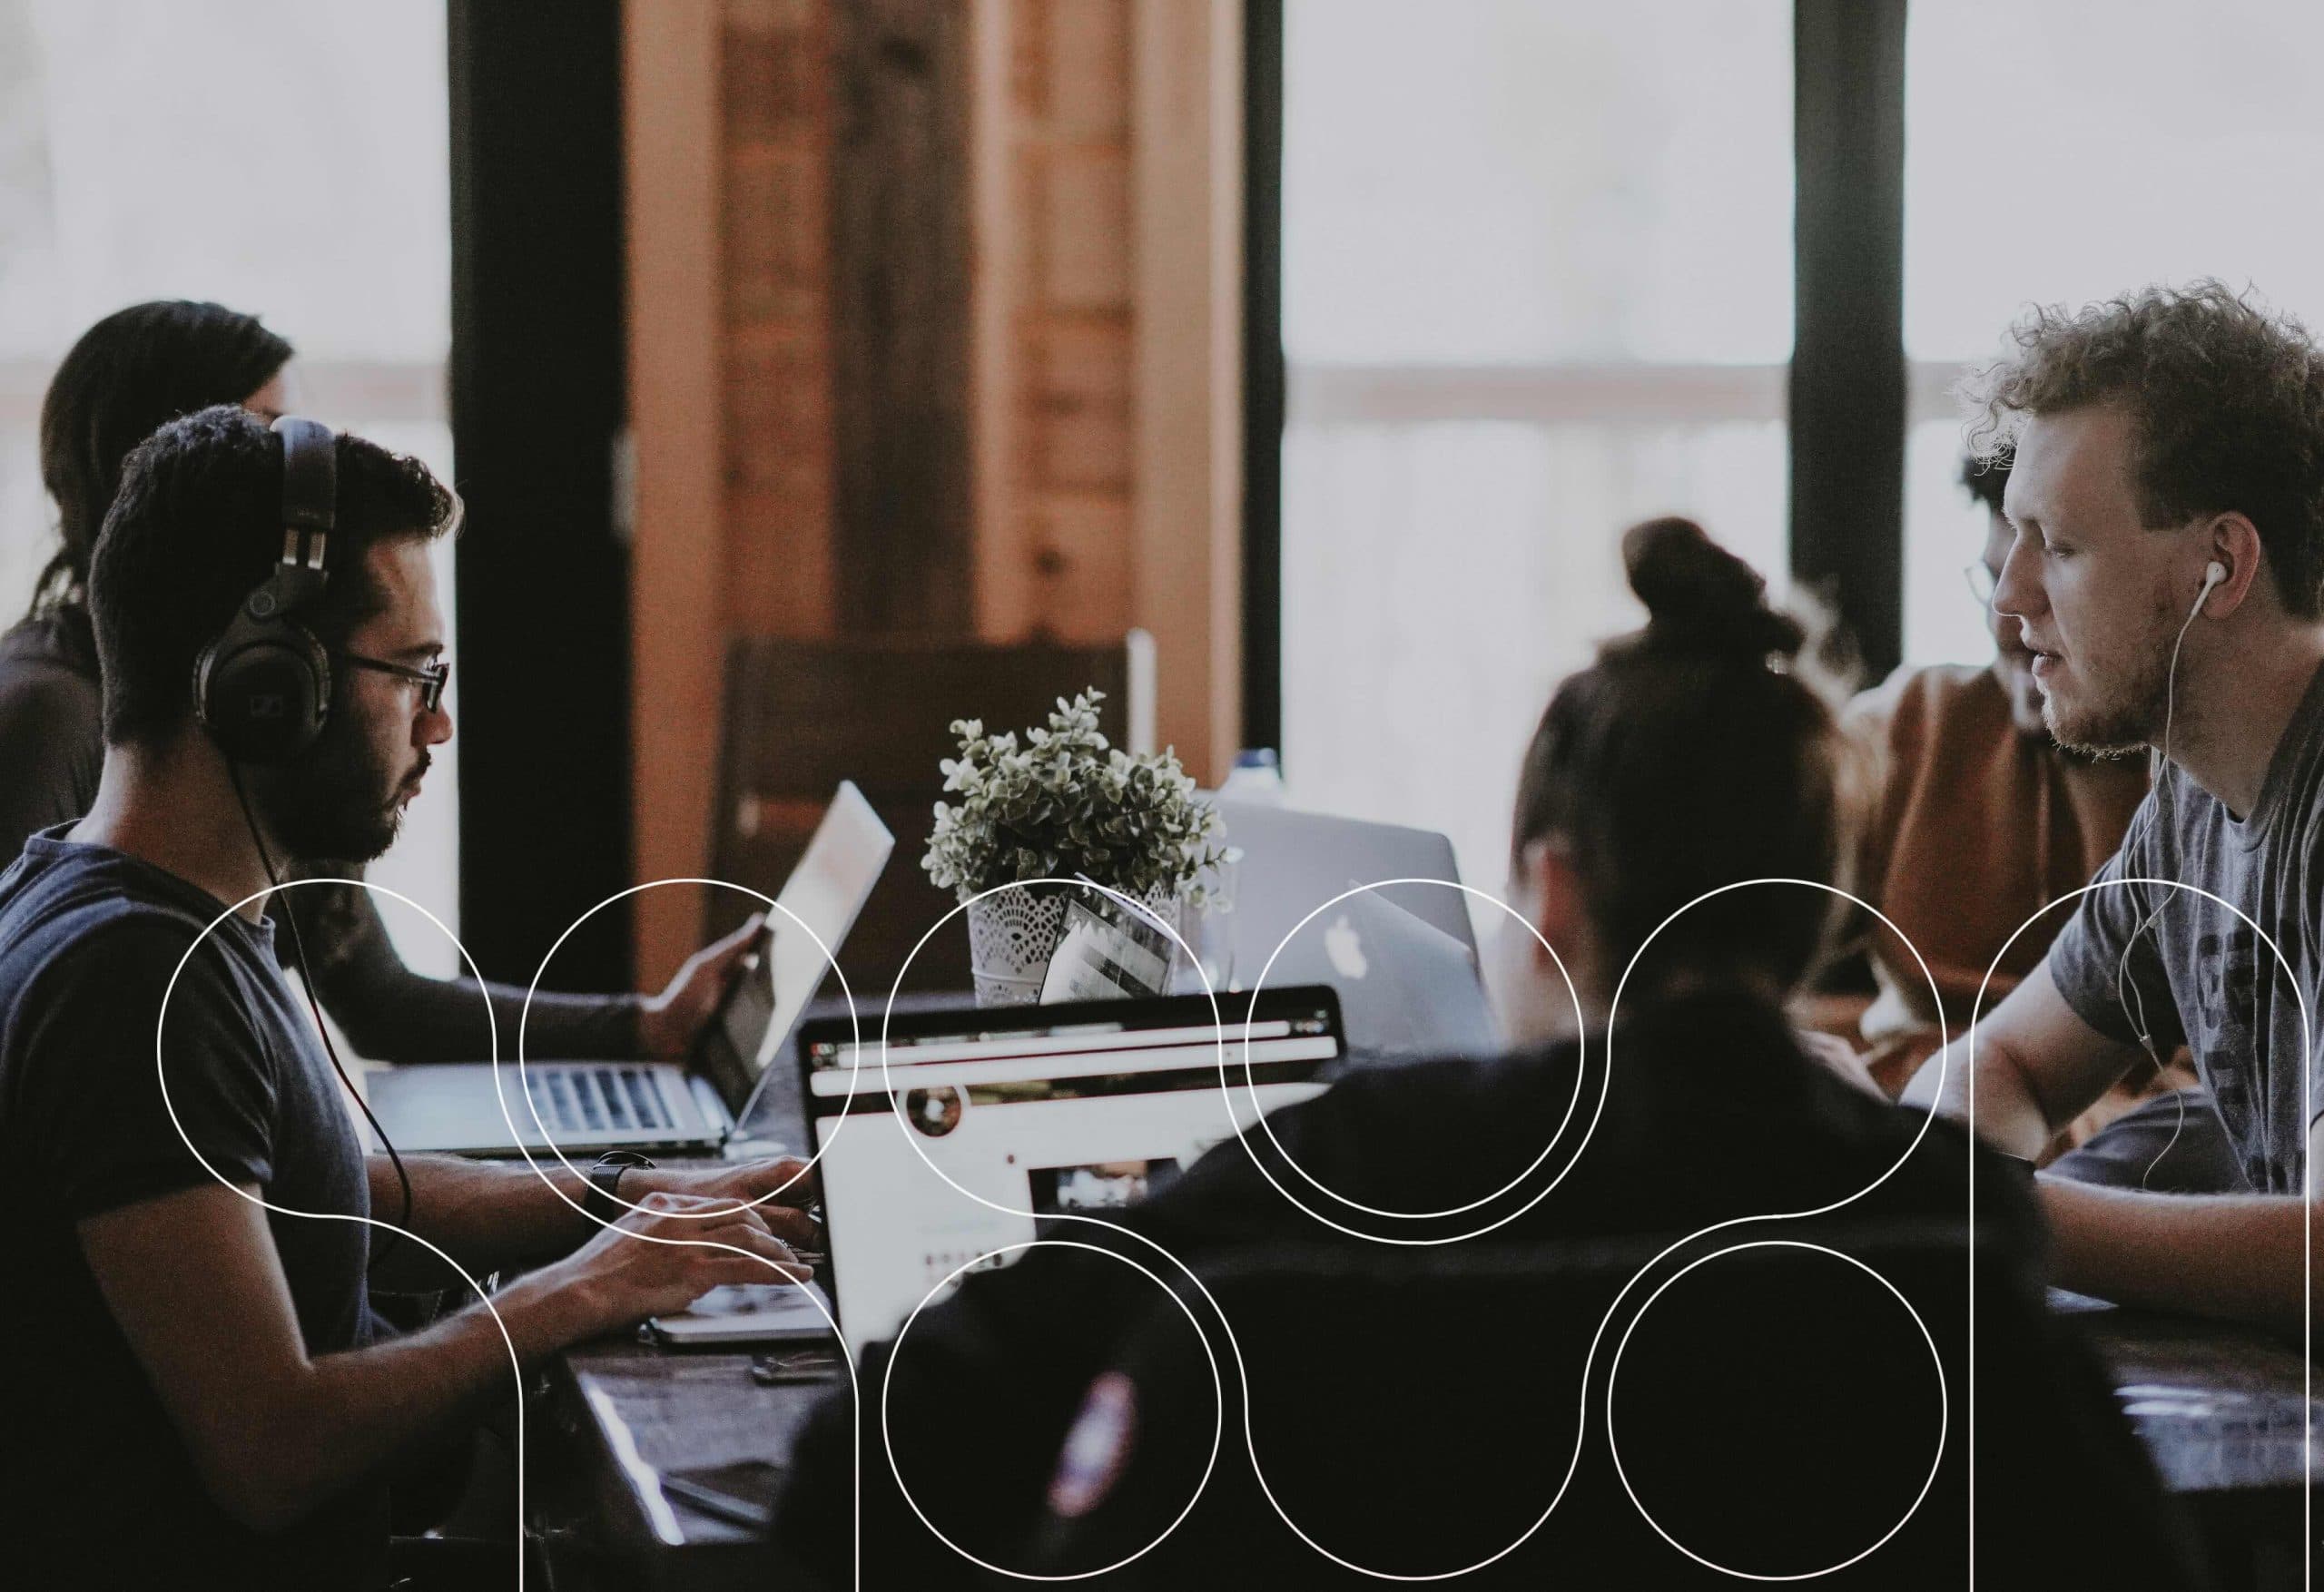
pixel 2225 1413
pixel 622 1417
pixel 2220 1410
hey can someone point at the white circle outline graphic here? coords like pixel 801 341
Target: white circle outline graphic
pixel 2306 1196
pixel 664 1520
pixel 1219 1400
pixel 1943 1408
pixel 1590 1358
pixel 1579 1069
pixel 887 1084
pixel 524 1022
pixel 886 1081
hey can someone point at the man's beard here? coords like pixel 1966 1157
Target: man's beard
pixel 335 800
pixel 2126 724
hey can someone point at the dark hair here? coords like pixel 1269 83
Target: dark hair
pixel 130 374
pixel 2228 402
pixel 197 525
pixel 1690 756
pixel 1986 477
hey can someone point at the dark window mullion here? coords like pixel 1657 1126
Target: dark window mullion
pixel 542 595
pixel 1263 373
pixel 1848 376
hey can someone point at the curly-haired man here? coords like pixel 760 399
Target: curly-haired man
pixel 2167 571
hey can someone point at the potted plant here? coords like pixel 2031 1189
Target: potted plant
pixel 1064 805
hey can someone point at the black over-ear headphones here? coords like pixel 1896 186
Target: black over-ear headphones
pixel 262 690
pixel 263 687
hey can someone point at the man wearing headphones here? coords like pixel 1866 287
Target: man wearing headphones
pixel 190 1346
pixel 2167 497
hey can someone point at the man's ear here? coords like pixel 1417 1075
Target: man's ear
pixel 2234 542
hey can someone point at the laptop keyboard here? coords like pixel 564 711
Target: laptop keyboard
pixel 597 1099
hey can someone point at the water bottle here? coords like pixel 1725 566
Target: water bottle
pixel 1257 778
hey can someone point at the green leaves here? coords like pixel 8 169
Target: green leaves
pixel 1066 803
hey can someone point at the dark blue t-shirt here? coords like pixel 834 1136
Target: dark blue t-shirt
pixel 94 1481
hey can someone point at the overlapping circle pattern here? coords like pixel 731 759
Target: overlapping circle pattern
pixel 1173 1265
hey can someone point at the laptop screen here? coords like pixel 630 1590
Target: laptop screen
pixel 1046 1112
pixel 826 891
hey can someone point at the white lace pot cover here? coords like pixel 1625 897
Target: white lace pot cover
pixel 1013 933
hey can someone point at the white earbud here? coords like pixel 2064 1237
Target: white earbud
pixel 2213 572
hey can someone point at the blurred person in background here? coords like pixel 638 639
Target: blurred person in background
pixel 1979 821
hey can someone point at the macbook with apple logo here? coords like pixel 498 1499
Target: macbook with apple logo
pixel 1403 956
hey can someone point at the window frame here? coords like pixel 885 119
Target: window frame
pixel 538 403
pixel 1846 391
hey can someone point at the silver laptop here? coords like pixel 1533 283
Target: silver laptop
pixel 1403 957
pixel 657 1105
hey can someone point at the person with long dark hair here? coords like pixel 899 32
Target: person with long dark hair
pixel 132 372
pixel 129 375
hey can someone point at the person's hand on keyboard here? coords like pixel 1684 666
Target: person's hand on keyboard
pixel 780 1190
pixel 656 1261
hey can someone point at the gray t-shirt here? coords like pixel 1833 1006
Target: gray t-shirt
pixel 2208 980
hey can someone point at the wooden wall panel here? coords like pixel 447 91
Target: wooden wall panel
pixel 671 56
pixel 1056 308
pixel 899 228
pixel 1108 304
pixel 779 103
pixel 1188 561
pixel 933 306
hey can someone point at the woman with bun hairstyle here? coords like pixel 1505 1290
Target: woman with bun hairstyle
pixel 130 374
pixel 1687 758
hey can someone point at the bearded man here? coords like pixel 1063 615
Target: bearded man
pixel 2166 572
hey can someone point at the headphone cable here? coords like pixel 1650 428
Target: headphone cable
pixel 307 984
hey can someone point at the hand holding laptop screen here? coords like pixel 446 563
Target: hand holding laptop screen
pixel 668 1023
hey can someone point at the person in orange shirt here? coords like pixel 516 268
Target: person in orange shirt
pixel 1979 823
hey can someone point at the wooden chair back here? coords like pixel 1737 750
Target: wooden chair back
pixel 799 716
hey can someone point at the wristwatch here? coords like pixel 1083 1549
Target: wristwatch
pixel 603 1201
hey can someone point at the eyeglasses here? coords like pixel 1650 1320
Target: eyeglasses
pixel 1982 581
pixel 431 680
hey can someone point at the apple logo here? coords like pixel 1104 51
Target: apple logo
pixel 1346 948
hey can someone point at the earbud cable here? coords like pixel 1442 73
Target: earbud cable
pixel 307 983
pixel 2126 991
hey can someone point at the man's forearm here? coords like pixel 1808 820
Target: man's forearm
pixel 2237 1256
pixel 2008 1114
pixel 349 1414
pixel 493 1214
pixel 486 1214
